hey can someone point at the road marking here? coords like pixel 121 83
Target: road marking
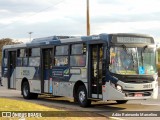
pixel 150 104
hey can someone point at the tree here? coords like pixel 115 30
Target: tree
pixel 6 41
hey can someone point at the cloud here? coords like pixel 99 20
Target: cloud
pixel 16 6
pixel 14 10
pixel 68 17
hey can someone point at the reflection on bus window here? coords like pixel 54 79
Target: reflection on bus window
pixel 62 50
pixel 5 62
pixel 25 61
pixel 22 53
pixel 61 61
pixel 77 49
pixel 78 60
pixel 34 61
pixel 19 61
pixel 35 52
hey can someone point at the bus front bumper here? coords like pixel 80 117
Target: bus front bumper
pixel 111 93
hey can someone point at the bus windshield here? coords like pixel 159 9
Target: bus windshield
pixel 132 60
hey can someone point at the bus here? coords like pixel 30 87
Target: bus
pixel 117 67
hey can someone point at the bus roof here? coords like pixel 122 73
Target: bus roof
pixel 14 46
pixel 55 40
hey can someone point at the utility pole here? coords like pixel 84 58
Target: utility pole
pixel 30 35
pixel 88 20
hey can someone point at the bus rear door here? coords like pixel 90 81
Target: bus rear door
pixel 12 69
pixel 46 84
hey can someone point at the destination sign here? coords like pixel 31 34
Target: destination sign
pixel 133 40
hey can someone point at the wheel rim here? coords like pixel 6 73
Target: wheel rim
pixel 81 96
pixel 25 90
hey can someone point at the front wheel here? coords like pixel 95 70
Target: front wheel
pixel 82 97
pixel 121 101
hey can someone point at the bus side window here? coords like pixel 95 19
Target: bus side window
pixel 18 53
pixel 35 52
pixel 22 53
pixel 61 55
pixel 78 55
pixel 34 57
pixel 21 60
pixel 5 60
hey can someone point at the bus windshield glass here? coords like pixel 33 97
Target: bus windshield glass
pixel 132 61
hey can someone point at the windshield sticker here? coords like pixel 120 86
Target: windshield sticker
pixel 113 54
pixel 141 70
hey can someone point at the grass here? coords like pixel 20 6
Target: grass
pixel 16 105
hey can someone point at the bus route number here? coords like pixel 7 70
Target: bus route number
pixel 147 86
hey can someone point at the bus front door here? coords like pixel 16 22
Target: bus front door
pixel 46 84
pixel 12 69
pixel 95 71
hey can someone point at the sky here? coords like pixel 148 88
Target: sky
pixel 68 17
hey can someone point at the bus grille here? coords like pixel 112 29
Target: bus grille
pixel 131 93
pixel 137 81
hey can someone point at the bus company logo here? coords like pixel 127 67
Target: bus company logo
pixel 66 71
pixel 6 114
pixel 128 87
pixel 26 72
pixel 57 73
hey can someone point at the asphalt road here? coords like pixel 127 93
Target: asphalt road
pixel 102 108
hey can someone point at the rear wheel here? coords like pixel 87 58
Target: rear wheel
pixel 121 101
pixel 26 90
pixel 82 97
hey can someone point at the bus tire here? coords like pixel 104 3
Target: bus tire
pixel 26 90
pixel 121 101
pixel 82 97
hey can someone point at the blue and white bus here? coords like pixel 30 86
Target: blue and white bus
pixel 102 67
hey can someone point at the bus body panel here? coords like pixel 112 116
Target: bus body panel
pixel 135 91
pixel 155 90
pixel 134 86
pixel 63 89
pixel 35 86
pixel 13 78
pixel 47 88
pixel 18 83
pixel 25 72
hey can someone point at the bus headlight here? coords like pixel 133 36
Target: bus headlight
pixel 116 86
pixel 119 88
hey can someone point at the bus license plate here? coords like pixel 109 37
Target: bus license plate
pixel 138 95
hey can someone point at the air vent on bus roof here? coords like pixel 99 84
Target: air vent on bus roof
pixel 52 38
